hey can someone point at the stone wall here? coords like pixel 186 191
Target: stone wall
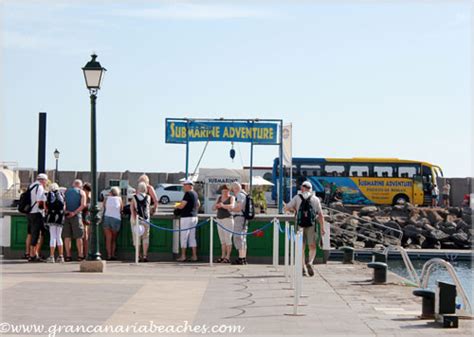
pixel 65 178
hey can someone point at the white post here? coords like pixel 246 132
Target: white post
pixel 211 241
pixel 176 226
pixel 287 246
pixel 297 275
pixel 276 232
pixel 300 258
pixel 292 256
pixel 137 239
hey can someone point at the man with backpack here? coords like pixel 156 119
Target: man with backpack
pixel 307 208
pixel 32 203
pixel 243 211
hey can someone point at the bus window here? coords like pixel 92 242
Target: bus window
pixel 407 171
pixel 335 170
pixel 310 170
pixel 359 170
pixel 383 171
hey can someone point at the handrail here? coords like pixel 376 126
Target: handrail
pixel 387 229
pixel 426 273
pixel 406 260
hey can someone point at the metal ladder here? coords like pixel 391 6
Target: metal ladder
pixel 426 273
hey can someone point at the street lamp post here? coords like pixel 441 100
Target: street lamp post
pixel 93 74
pixel 56 156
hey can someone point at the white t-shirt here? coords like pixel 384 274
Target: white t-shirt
pixel 240 200
pixel 112 207
pixel 37 194
pixel 446 189
pixel 296 202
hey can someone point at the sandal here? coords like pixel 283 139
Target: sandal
pixel 68 259
pixel 225 260
pixel 26 256
pixel 181 260
pixel 193 260
pixel 80 258
pixel 220 260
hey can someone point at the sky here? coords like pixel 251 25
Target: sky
pixel 355 79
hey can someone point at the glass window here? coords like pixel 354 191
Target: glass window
pixel 173 188
pixel 407 171
pixel 335 170
pixel 359 171
pixel 383 171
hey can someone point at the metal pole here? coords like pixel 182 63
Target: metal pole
pixel 56 174
pixel 280 176
pixel 94 210
pixel 137 239
pixel 42 143
pixel 287 246
pixel 211 241
pixel 251 168
pixel 187 148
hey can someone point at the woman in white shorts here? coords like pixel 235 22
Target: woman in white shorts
pixel 224 204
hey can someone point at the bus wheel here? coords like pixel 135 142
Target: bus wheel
pixel 400 199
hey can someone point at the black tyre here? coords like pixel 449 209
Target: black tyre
pixel 400 199
pixel 164 200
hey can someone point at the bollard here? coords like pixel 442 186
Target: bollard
pixel 446 299
pixel 428 302
pixel 380 272
pixel 379 257
pixel 276 237
pixel 292 255
pixel 287 250
pixel 211 241
pixel 348 257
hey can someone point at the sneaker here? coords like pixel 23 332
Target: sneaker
pixel 310 269
pixel 50 259
pixel 60 259
pixel 304 272
pixel 239 261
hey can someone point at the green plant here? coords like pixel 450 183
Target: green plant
pixel 259 199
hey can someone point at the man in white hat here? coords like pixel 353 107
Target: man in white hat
pixel 188 207
pixel 36 216
pixel 307 207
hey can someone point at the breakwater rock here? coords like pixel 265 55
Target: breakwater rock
pixel 422 227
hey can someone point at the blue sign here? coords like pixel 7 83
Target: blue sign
pixel 178 131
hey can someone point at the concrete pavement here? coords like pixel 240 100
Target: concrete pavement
pixel 341 300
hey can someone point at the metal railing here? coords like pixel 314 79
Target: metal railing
pixel 407 261
pixel 384 234
pixel 426 273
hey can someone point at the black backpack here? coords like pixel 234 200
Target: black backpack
pixel 24 204
pixel 306 214
pixel 249 208
pixel 55 201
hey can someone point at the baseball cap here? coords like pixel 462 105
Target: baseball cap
pixel 42 176
pixel 307 184
pixel 188 182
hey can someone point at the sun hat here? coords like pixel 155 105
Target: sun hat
pixel 307 184
pixel 42 176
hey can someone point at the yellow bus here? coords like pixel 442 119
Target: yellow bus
pixel 364 181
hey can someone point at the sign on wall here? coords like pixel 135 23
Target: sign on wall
pixel 179 131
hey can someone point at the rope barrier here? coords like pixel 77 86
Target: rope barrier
pixel 279 226
pixel 243 234
pixel 173 230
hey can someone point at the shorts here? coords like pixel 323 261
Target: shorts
pixel 309 235
pixel 224 235
pixel 112 223
pixel 240 226
pixel 445 196
pixel 73 227
pixel 188 237
pixel 35 227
